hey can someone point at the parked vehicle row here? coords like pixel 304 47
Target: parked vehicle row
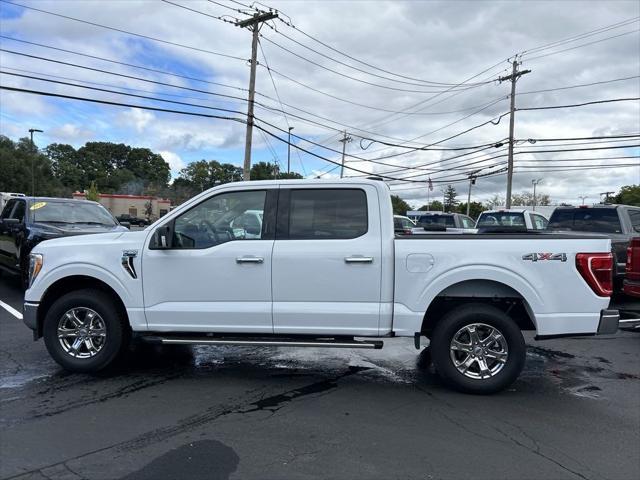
pixel 27 221
pixel 324 268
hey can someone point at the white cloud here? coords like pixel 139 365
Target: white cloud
pixel 175 162
pixel 442 41
pixel 137 118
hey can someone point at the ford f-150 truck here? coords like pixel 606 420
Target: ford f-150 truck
pixel 325 269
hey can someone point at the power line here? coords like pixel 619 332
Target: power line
pixel 121 93
pixel 146 37
pixel 579 85
pixel 125 64
pixel 583 45
pixel 275 89
pixel 195 114
pixel 580 36
pixel 301 57
pixel 290 24
pixel 119 74
pixel 596 102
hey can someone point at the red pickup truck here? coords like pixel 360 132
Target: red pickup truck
pixel 631 319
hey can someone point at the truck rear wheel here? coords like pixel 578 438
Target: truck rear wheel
pixel 84 332
pixel 477 348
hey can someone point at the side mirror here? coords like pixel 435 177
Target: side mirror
pixel 10 224
pixel 126 224
pixel 162 237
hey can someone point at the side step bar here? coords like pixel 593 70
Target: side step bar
pixel 267 342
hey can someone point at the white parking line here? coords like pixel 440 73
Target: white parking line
pixel 11 310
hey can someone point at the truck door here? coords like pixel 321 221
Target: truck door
pixel 216 275
pixel 327 261
pixel 11 235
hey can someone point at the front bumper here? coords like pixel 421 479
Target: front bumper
pixel 609 320
pixel 30 317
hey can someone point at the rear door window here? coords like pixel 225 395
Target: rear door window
pixel 599 220
pixel 538 221
pixel 634 216
pixel 468 222
pixel 446 220
pixel 325 214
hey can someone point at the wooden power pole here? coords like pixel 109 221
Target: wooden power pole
pixel 254 24
pixel 345 138
pixel 513 78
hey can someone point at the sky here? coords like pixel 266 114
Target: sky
pixel 343 66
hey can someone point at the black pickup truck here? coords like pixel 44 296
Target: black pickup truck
pixel 27 221
pixel 619 223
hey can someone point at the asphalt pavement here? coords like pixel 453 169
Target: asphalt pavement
pixel 275 413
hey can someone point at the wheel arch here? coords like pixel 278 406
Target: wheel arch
pixel 72 283
pixel 490 292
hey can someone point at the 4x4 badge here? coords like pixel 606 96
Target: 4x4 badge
pixel 535 257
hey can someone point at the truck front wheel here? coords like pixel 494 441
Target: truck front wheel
pixel 477 348
pixel 84 332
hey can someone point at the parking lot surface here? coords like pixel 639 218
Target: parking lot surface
pixel 274 413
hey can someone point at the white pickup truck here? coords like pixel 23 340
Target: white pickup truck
pixel 323 268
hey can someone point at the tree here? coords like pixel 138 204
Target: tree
pixel 525 199
pixel 263 171
pixel 628 195
pixel 119 168
pixel 204 174
pixel 435 206
pixel 400 207
pixel 475 209
pixel 16 161
pixel 92 192
pixel 148 209
pixel 495 201
pixel 450 201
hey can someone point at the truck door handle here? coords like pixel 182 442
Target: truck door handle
pixel 358 259
pixel 249 260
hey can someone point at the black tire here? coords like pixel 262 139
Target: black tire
pixel 477 313
pixel 116 328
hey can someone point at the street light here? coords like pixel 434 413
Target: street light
pixel 33 150
pixel 535 183
pixel 289 152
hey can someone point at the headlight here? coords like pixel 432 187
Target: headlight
pixel 35 265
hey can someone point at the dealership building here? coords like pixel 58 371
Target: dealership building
pixel 134 205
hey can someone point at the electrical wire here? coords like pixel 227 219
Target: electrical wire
pixel 119 30
pixel 275 89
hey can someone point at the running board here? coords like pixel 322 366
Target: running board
pixel 265 342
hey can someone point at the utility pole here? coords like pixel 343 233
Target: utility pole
pixel 606 196
pixel 252 23
pixel 535 183
pixel 582 197
pixel 472 181
pixel 289 152
pixel 33 151
pixel 513 78
pixel 345 138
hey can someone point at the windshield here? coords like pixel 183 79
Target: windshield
pixel 501 219
pixel 446 220
pixel 600 220
pixel 70 212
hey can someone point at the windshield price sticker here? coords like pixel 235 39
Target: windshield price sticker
pixel 37 205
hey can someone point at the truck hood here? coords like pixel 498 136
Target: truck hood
pixel 51 230
pixel 95 240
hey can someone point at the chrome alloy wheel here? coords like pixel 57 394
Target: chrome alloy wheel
pixel 82 332
pixel 479 351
